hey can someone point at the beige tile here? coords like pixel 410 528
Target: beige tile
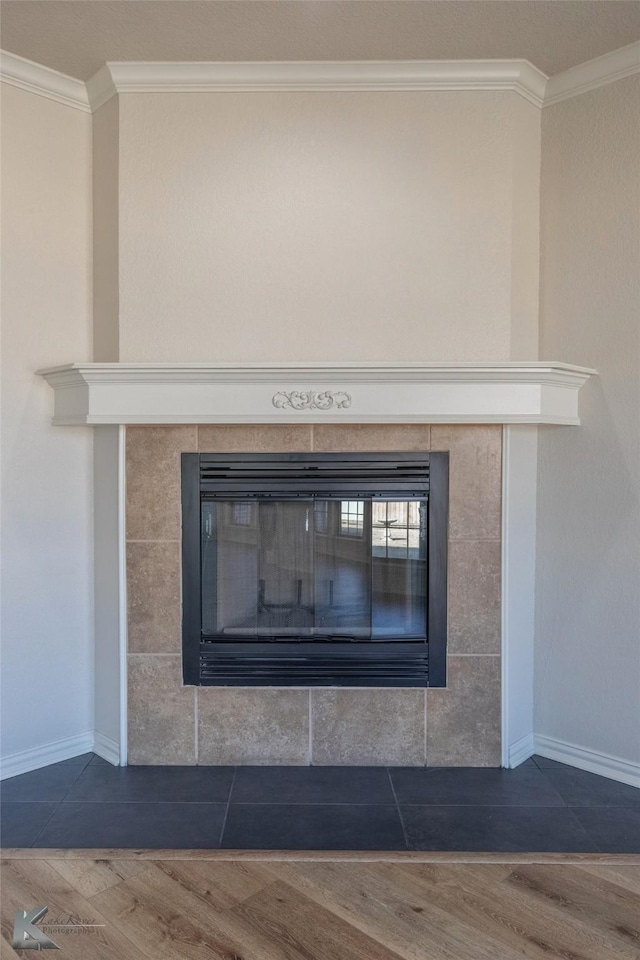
pixel 254 438
pixel 253 725
pixel 360 727
pixel 474 596
pixel 363 437
pixel 153 480
pixel 153 597
pixel 475 479
pixel 161 712
pixel 463 719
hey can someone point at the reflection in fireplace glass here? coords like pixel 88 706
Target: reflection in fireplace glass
pixel 314 568
pixel 351 518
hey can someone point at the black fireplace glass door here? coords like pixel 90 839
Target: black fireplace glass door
pixel 314 569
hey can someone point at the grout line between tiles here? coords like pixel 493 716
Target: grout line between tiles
pixel 170 540
pixel 196 741
pixel 563 805
pixel 503 806
pixel 475 539
pixel 133 653
pixel 584 829
pixel 226 813
pixel 425 726
pixel 393 790
pixel 260 803
pixel 45 825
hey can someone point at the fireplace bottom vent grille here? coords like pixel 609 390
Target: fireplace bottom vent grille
pixel 313 664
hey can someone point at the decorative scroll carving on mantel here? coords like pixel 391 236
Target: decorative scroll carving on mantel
pixel 502 392
pixel 310 400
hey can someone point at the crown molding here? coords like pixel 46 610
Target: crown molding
pixel 329 75
pixel 102 393
pixel 101 87
pixel 621 63
pixel 35 78
pixel 518 76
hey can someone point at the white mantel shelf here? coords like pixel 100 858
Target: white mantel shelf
pixel 119 393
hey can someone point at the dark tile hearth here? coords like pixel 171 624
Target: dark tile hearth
pixel 475 786
pixel 313 826
pixel 504 829
pixel 542 806
pixel 581 789
pixel 614 829
pixel 104 782
pixel 23 821
pixel 312 785
pixel 49 783
pixel 134 825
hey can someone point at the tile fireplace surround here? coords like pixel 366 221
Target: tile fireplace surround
pixel 487 415
pixel 171 724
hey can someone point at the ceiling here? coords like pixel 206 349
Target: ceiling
pixel 78 36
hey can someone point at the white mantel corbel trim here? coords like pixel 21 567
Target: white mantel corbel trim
pixel 128 393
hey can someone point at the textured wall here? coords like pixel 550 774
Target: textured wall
pixel 47 580
pixel 169 723
pixel 325 226
pixel 588 596
pixel 106 121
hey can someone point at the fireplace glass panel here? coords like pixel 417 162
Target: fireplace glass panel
pixel 314 568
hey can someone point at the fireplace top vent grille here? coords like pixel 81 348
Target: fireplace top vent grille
pixel 314 475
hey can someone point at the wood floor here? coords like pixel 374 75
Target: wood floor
pixel 191 906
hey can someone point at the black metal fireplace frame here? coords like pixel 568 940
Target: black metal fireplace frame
pixel 397 663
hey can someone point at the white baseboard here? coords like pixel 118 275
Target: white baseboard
pixel 27 760
pixel 106 748
pixel 520 751
pixel 601 763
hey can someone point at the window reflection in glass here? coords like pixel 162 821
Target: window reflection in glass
pixel 396 529
pixel 352 518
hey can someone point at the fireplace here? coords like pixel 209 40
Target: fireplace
pixel 227 410
pixel 305 569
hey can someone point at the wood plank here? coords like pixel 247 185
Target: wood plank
pixel 300 927
pixel 394 914
pixel 166 920
pixel 219 885
pixel 6 951
pixel 625 875
pixel 599 904
pixel 89 877
pixel 32 883
pixel 514 915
